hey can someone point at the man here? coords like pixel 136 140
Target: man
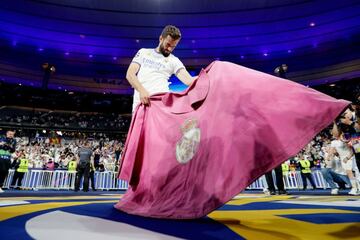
pixel 281 71
pixel 21 166
pixel 333 172
pixel 151 69
pixel 72 166
pixel 341 146
pixel 83 167
pixel 7 147
pixel 279 181
pixel 305 168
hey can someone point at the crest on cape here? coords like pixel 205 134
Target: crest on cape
pixel 188 145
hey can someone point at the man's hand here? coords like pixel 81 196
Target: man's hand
pixel 144 97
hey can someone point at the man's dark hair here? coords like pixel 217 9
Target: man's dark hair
pixel 171 31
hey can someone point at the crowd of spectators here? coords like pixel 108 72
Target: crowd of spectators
pixel 24 117
pixel 55 153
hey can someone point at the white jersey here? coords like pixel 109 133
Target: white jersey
pixel 155 71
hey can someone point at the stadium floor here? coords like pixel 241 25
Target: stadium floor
pixel 251 215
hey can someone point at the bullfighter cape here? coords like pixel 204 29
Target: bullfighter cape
pixel 189 153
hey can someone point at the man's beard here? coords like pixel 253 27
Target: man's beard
pixel 163 51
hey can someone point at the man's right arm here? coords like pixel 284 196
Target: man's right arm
pixel 135 83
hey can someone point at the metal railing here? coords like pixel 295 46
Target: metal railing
pixel 292 180
pixel 64 180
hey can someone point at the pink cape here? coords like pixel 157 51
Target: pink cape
pixel 191 152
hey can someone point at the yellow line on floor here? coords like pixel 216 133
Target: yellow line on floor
pixel 18 210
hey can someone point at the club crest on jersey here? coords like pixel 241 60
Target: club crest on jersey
pixel 188 145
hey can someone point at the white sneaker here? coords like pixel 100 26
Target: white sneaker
pixel 266 191
pixel 354 192
pixel 1 191
pixel 335 191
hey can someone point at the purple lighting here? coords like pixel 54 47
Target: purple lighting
pixel 67 53
pixel 40 49
pixel 289 51
pixel 114 58
pixel 265 54
pixel 14 43
pixel 312 24
pixel 242 56
pixel 195 51
pixel 137 40
pixel 90 55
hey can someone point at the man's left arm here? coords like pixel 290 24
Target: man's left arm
pixel 185 77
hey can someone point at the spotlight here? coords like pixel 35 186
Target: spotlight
pixel 59 133
pixel 44 131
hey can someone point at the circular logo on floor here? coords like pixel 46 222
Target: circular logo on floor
pixel 188 145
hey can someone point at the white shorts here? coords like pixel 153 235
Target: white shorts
pixel 349 165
